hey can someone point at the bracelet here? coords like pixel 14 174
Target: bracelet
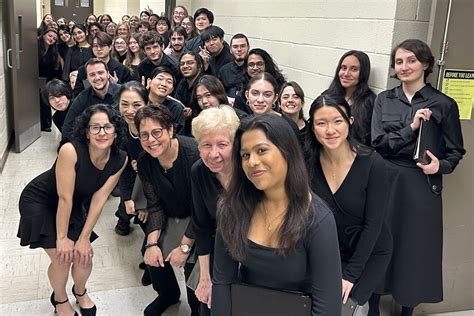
pixel 151 245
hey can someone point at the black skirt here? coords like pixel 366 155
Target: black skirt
pixel 415 217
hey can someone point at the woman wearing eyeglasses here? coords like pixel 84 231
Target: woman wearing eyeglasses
pixel 60 207
pixel 165 170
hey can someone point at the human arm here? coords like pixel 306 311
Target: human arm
pixel 83 246
pixel 65 182
pixel 204 289
pixel 325 262
pixel 375 197
pixel 389 133
pixel 224 274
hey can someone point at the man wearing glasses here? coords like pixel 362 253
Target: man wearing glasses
pixel 101 47
pixel 100 91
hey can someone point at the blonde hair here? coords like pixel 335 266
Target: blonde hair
pixel 222 117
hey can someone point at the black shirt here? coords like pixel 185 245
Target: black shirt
pixel 194 44
pixel 85 99
pixel 123 74
pixel 393 137
pixel 206 190
pixel 313 267
pixel 168 193
pixel 176 108
pixel 232 76
pixel 146 67
pixel 79 56
pixel 133 148
pixel 216 62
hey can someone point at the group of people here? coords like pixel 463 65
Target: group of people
pixel 214 158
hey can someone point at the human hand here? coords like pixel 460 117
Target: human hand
pixel 205 55
pixel 142 215
pixel 346 290
pixel 421 114
pixel 177 258
pixel 65 250
pixel 130 207
pixel 187 112
pixel 154 257
pixel 432 167
pixel 203 291
pixel 134 165
pixel 114 78
pixel 231 101
pixel 83 251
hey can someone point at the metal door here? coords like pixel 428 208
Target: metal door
pixel 76 10
pixel 22 71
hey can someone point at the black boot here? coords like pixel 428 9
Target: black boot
pixel 374 302
pixel 406 311
pixel 165 284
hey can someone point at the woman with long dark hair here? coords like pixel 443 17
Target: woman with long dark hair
pixel 291 101
pixel 415 212
pixel 352 82
pixel 80 53
pixel 351 179
pixel 272 232
pixel 60 207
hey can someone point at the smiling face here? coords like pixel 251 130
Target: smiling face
pixel 110 28
pixel 349 72
pixel 133 45
pixel 162 85
pixel 177 42
pixel 330 128
pixel 130 102
pixel 188 66
pixel 261 97
pixel 50 38
pixel 98 77
pixel 255 65
pixel 408 68
pixel 178 15
pixel 91 18
pixel 157 145
pixel 79 35
pixel 122 30
pixel 102 140
pixel 94 30
pixel 214 45
pixel 161 27
pixel 65 36
pixel 215 149
pixel 120 45
pixel 262 162
pixel 290 102
pixel 188 25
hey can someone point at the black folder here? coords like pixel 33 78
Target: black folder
pixel 258 301
pixel 429 138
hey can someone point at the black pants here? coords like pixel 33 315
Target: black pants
pixel 45 115
pixel 121 213
pixel 165 284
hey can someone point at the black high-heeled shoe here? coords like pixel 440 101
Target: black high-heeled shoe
pixel 84 311
pixel 54 303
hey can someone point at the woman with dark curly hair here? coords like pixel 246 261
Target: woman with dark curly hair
pixel 60 207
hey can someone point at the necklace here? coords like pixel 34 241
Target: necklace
pixel 131 134
pixel 269 223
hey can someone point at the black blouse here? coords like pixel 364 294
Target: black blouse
pixel 393 137
pixel 133 148
pixel 168 193
pixel 206 190
pixel 314 267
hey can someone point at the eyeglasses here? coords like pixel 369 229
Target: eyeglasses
pixel 178 13
pixel 95 129
pixel 258 64
pixel 156 133
pixel 187 63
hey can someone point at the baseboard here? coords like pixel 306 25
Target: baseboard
pixel 3 160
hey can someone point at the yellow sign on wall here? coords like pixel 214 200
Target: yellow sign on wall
pixel 459 85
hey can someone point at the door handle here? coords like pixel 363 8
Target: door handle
pixel 9 62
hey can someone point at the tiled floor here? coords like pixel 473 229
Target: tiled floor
pixel 115 281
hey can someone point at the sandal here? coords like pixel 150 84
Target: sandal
pixel 84 311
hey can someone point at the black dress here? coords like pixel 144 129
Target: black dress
pixel 359 206
pixel 314 267
pixel 39 199
pixel 414 204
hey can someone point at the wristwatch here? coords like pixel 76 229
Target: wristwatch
pixel 185 248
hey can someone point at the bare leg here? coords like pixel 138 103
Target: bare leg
pixel 80 275
pixel 58 275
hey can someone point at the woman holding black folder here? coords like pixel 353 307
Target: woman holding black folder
pixel 272 231
pixel 414 204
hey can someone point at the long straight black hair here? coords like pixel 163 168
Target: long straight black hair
pixel 237 205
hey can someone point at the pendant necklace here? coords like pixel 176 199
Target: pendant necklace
pixel 269 223
pixel 131 134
